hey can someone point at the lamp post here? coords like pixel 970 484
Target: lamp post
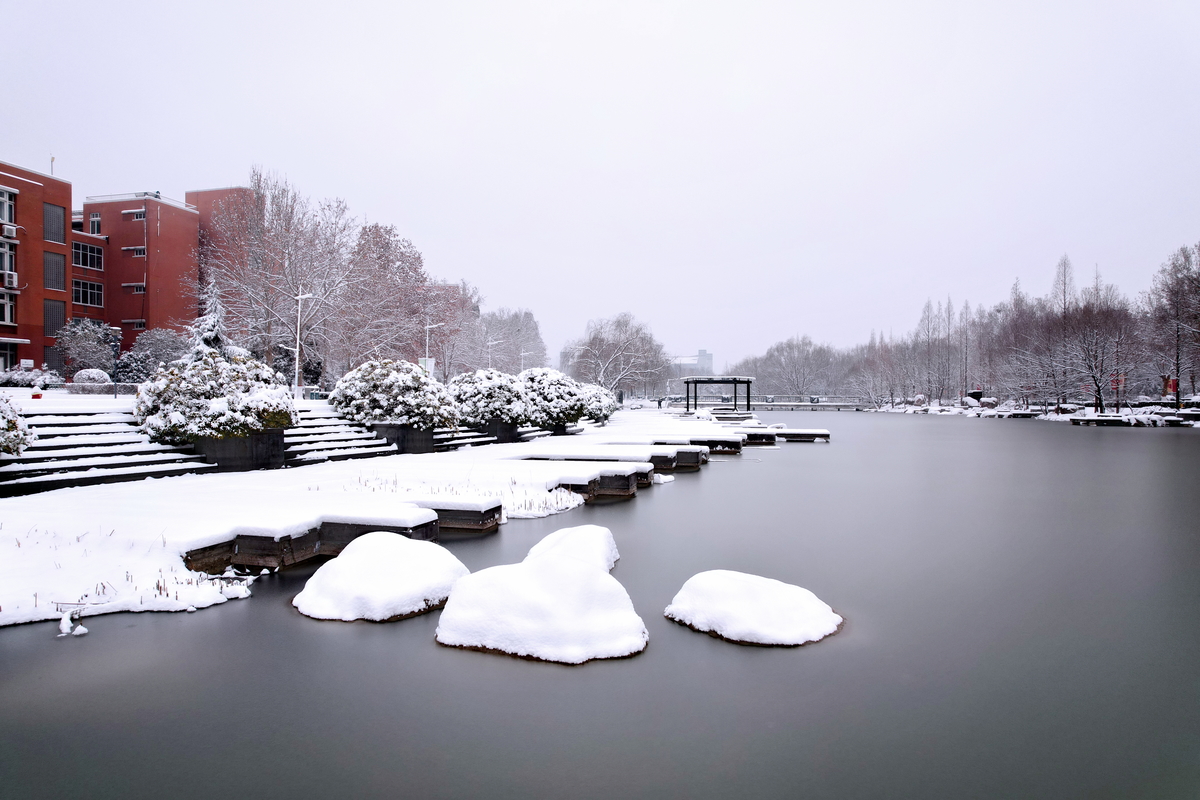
pixel 489 347
pixel 523 360
pixel 428 328
pixel 296 385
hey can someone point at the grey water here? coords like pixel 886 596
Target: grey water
pixel 1022 604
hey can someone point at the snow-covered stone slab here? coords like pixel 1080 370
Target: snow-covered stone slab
pixel 381 576
pixel 751 609
pixel 559 604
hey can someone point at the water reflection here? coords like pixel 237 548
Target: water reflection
pixel 1020 601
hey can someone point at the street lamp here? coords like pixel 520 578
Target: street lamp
pixel 296 384
pixel 523 360
pixel 489 347
pixel 428 328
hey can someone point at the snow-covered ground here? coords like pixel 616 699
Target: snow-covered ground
pixel 119 547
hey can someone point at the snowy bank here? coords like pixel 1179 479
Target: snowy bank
pixel 559 604
pixel 750 609
pixel 381 576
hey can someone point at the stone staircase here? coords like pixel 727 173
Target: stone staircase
pixel 323 434
pixel 81 448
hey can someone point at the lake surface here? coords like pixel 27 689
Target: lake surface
pixel 1022 604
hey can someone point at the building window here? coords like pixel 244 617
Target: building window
pixel 86 293
pixel 8 308
pixel 138 324
pixel 87 255
pixel 54 223
pixel 52 358
pixel 138 252
pixel 8 258
pixel 95 223
pixel 139 215
pixel 54 316
pixel 8 209
pixel 8 355
pixel 54 271
pixel 139 288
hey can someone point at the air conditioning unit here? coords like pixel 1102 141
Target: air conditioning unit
pixel 10 280
pixel 10 231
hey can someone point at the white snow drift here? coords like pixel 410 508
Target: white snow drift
pixel 381 576
pixel 752 609
pixel 559 604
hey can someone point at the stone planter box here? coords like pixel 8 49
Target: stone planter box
pixel 505 432
pixel 559 430
pixel 261 450
pixel 406 438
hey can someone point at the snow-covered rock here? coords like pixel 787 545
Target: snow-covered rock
pixel 751 609
pixel 381 576
pixel 559 604
pixel 591 544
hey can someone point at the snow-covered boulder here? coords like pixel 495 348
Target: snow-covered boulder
pixel 488 394
pixel 212 397
pixel 94 376
pixel 381 576
pixel 591 544
pixel 553 399
pixel 559 604
pixel 393 391
pixel 15 435
pixel 751 609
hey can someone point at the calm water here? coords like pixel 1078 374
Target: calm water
pixel 1023 620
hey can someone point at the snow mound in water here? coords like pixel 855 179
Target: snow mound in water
pixel 381 576
pixel 752 609
pixel 559 604
pixel 588 543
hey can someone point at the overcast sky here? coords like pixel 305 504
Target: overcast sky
pixel 730 173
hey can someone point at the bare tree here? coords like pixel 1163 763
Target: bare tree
pixel 617 353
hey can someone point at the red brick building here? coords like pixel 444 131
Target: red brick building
pixel 128 260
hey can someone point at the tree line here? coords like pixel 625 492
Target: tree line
pixel 1087 343
pixel 303 279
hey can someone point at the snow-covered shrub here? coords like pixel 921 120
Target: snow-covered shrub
pixel 599 402
pixel 15 435
pixel 215 397
pixel 92 376
pixel 29 378
pixel 393 391
pixel 551 397
pixel 488 394
pixel 134 367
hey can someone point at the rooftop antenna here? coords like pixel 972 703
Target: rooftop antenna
pixel 52 163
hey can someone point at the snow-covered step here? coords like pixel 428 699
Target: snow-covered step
pixel 84 440
pixel 45 483
pixel 131 449
pixel 40 420
pixel 49 432
pixel 312 447
pixel 12 471
pixel 343 454
pixel 348 435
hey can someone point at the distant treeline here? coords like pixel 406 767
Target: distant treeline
pixel 1092 343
